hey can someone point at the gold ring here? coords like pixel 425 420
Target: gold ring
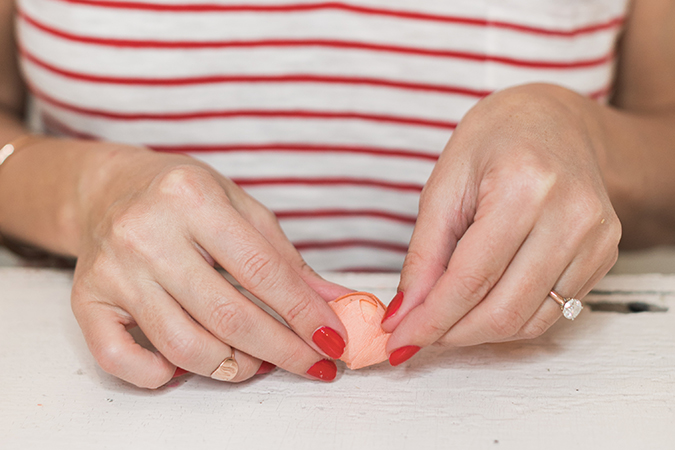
pixel 227 369
pixel 570 307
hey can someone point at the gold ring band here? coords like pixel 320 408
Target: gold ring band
pixel 227 369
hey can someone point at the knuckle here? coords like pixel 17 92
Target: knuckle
pixel 109 358
pixel 185 183
pixel 527 182
pixel 227 319
pixel 444 342
pixel 181 347
pixel 302 307
pixel 129 230
pixel 587 211
pixel 436 327
pixel 471 287
pixel 415 260
pixel 258 270
pixel 504 322
pixel 534 328
pixel 289 360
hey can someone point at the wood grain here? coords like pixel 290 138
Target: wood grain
pixel 604 381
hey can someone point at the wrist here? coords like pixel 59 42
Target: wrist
pixel 110 172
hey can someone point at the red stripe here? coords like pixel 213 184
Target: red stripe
pixel 286 114
pixel 295 78
pixel 328 43
pixel 336 213
pixel 293 7
pixel 316 245
pixel 292 147
pixel 337 181
pixel 57 126
pixel 291 78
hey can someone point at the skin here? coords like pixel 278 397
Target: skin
pixel 537 182
pixel 147 229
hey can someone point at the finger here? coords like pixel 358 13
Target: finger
pixel 105 331
pixel 440 223
pixel 181 340
pixel 603 257
pixel 232 318
pixel 502 223
pixel 591 263
pixel 531 274
pixel 267 224
pixel 263 271
pixel 599 274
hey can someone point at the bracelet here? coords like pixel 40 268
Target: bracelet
pixel 8 149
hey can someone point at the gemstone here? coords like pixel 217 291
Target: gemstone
pixel 572 308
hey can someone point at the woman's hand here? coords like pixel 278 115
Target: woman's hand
pixel 154 226
pixel 515 207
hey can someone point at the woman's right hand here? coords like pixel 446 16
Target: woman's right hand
pixel 153 228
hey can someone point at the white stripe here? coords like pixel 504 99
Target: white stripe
pixel 252 130
pixel 229 96
pixel 280 198
pixel 150 25
pixel 336 259
pixel 323 229
pixel 317 165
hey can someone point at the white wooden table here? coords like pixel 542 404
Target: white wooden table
pixel 604 381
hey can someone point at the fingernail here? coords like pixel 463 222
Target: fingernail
pixel 179 372
pixel 403 354
pixel 329 341
pixel 265 367
pixel 394 305
pixel 324 370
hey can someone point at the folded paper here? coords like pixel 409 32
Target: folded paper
pixel 361 313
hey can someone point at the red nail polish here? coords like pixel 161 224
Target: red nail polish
pixel 394 305
pixel 265 367
pixel 324 370
pixel 179 372
pixel 329 341
pixel 403 354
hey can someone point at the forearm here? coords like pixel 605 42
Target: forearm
pixel 38 194
pixel 47 188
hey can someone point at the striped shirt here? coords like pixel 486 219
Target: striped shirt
pixel 330 113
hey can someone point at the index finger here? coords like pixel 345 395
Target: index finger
pixel 250 258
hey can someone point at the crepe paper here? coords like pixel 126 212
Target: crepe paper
pixel 362 313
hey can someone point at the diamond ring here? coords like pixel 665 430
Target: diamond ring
pixel 570 307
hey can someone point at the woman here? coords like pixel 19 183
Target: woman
pixel 332 115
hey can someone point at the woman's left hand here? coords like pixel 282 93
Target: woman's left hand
pixel 516 207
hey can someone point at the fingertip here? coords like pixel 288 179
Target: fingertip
pixel 265 367
pixel 392 308
pixel 402 354
pixel 324 370
pixel 329 341
pixel 179 372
